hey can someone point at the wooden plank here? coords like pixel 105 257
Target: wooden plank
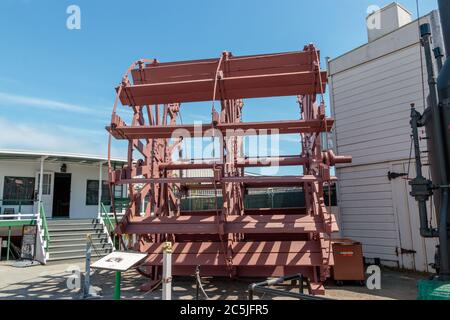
pixel 234 224
pixel 299 253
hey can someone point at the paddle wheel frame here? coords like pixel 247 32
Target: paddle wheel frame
pixel 231 240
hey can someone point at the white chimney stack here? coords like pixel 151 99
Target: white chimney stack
pixel 387 19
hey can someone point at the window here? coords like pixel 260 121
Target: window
pixel 18 189
pixel 46 183
pixel 92 193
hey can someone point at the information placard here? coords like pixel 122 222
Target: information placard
pixel 29 236
pixel 119 261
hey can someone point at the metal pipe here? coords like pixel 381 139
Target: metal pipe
pixel 100 187
pixel 240 163
pixel 443 85
pixel 439 56
pixel 263 287
pixel 421 189
pixel 438 137
pixel 288 294
pixel 443 237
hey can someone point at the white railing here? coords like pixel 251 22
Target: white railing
pixel 18 216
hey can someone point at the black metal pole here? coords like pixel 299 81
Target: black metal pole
pixel 439 58
pixel 440 154
pixel 443 85
pixel 263 287
pixel 421 187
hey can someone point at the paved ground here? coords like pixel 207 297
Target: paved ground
pixel 54 281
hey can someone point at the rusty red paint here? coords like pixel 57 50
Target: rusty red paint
pixel 231 240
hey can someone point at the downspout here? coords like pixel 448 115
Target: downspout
pixel 421 187
pixel 41 253
pixel 41 181
pixel 100 189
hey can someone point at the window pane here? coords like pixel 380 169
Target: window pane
pixel 106 199
pixel 92 193
pixel 46 184
pixel 20 189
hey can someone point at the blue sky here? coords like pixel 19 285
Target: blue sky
pixel 57 85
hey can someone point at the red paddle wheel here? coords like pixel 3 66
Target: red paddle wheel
pixel 230 240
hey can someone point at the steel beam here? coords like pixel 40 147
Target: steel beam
pixel 228 130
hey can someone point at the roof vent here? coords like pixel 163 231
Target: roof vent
pixel 382 21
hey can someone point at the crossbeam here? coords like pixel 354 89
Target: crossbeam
pixel 283 74
pixel 228 129
pixel 264 253
pixel 253 181
pixel 281 224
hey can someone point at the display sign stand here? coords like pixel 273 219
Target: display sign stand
pixel 119 261
pixel 28 249
pixel 167 272
pixel 88 291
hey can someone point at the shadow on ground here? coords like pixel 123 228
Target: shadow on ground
pixel 57 282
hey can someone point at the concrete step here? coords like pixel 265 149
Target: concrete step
pixel 68 239
pixel 57 247
pixel 76 251
pixel 76 254
pixel 71 221
pixel 76 230
pixel 84 224
pixel 78 240
pixel 78 236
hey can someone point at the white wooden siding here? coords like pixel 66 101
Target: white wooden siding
pixel 371 90
pixel 367 215
pixel 372 106
pixel 80 174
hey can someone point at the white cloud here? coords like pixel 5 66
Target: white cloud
pixel 101 132
pixel 11 100
pixel 34 137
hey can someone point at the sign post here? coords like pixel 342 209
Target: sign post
pixel 88 292
pixel 119 261
pixel 29 237
pixel 167 272
pixel 117 287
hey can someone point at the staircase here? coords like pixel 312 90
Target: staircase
pixel 68 239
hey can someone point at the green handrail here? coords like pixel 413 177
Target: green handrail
pixel 105 215
pixel 44 225
pixel 109 223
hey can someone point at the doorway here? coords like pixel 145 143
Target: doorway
pixel 61 195
pixel 47 192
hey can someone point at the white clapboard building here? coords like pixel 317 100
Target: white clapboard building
pixel 371 90
pixel 71 201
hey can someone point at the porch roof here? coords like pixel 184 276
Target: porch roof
pixel 55 157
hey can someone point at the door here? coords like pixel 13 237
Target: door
pixel 47 192
pixel 415 252
pixel 61 195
